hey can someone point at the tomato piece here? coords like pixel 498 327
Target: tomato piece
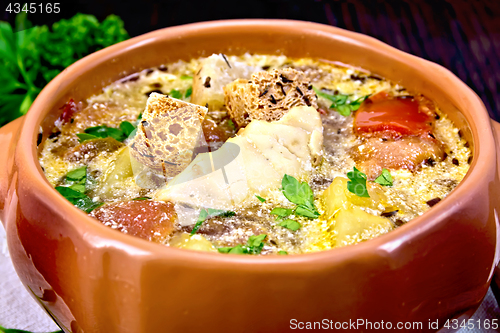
pixel 392 117
pixel 69 110
pixel 147 219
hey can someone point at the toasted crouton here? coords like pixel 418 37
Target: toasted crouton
pixel 268 96
pixel 166 136
pixel 213 74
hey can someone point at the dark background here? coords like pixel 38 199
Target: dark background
pixel 463 36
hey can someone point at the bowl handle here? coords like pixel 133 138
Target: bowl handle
pixel 8 141
pixel 495 283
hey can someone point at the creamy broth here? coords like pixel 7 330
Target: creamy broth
pixel 108 182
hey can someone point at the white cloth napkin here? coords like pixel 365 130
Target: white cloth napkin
pixel 19 310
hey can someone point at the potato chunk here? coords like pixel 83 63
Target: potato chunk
pixel 337 197
pixel 353 225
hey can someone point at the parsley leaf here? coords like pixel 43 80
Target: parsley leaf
pixel 357 183
pixel 78 199
pixel 101 132
pixel 189 92
pixel 282 252
pixel 174 93
pixel 141 198
pixel 290 224
pixel 254 245
pixel 385 178
pixel 127 128
pixel 281 212
pixel 206 213
pixel 261 199
pixel 12 330
pixel 341 103
pixel 31 56
pixel 186 77
pixel 77 174
pixel 77 179
pixel 301 195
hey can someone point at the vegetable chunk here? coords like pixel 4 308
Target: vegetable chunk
pixel 150 220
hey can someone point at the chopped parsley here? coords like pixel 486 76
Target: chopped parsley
pixel 141 198
pixel 186 77
pixel 301 195
pixel 385 178
pixel 80 200
pixel 281 212
pixel 206 213
pixel 254 245
pixel 188 93
pixel 290 224
pixel 75 188
pixel 174 93
pixel 341 103
pixel 357 183
pixel 77 179
pixel 282 252
pixel 101 132
pixel 261 199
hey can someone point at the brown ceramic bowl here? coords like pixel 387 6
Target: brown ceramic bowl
pixel 91 278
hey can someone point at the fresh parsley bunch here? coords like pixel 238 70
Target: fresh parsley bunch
pixel 34 55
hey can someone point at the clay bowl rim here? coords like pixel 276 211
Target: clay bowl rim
pixel 95 233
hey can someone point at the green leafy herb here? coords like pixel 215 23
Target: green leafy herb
pixel 385 178
pixel 141 198
pixel 11 330
pixel 206 213
pixel 281 212
pixel 127 128
pixel 357 183
pixel 301 195
pixel 261 199
pixel 290 224
pixel 78 199
pixel 188 93
pixel 282 252
pixel 174 93
pixel 231 125
pixel 34 55
pixel 341 103
pixel 254 245
pixel 101 132
pixel 139 117
pixel 77 179
pixel 186 77
pixel 77 174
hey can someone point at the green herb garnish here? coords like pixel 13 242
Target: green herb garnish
pixel 31 56
pixel 188 93
pixel 385 178
pixel 341 103
pixel 261 199
pixel 301 195
pixel 206 213
pixel 77 179
pixel 231 124
pixel 78 199
pixel 174 93
pixel 101 132
pixel 290 224
pixel 282 252
pixel 186 77
pixel 254 245
pixel 357 183
pixel 11 330
pixel 141 198
pixel 281 212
